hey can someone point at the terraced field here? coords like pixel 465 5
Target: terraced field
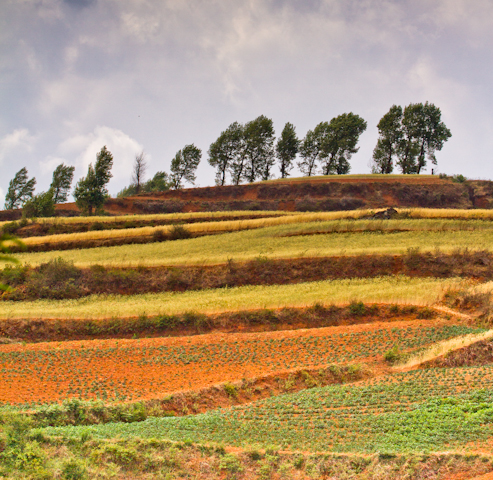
pixel 377 294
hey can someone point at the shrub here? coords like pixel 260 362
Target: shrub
pixel 357 308
pixel 179 232
pixel 231 390
pixel 230 463
pixel 41 205
pixel 73 470
pixel 458 178
pixel 55 279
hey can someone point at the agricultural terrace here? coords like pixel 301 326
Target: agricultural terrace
pixel 391 406
pixel 129 370
pixel 310 239
pixel 390 289
pixel 420 411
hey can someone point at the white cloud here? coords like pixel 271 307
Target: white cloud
pixel 20 140
pixel 84 149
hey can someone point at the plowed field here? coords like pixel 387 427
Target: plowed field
pixel 122 370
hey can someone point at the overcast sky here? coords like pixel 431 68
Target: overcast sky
pixel 155 75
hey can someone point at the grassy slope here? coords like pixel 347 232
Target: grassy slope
pixel 375 290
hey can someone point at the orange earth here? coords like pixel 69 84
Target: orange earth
pixel 139 369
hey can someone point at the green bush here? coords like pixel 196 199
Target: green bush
pixel 179 232
pixel 74 470
pixel 393 355
pixel 230 463
pixel 357 308
pixel 41 205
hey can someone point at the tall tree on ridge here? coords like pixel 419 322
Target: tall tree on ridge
pixel 61 182
pixel 287 148
pixel 21 189
pixel 259 149
pixel 227 154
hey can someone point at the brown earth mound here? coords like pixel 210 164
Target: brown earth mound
pixel 305 194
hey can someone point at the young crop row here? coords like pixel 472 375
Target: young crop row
pixel 271 242
pixel 424 410
pixel 124 370
pixel 388 289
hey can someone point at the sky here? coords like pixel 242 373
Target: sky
pixel 156 75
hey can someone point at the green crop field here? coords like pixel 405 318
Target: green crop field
pixel 424 410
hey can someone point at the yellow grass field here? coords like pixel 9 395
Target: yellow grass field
pixel 398 289
pixel 271 242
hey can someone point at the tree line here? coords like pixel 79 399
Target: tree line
pixel 408 137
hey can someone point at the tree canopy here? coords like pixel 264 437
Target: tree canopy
pixel 61 183
pixel 21 188
pixel 184 165
pixel 409 138
pixel 259 149
pixel 287 148
pixel 90 191
pixel 227 154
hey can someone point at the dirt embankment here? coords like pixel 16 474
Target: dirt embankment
pixel 59 280
pixel 310 194
pixel 315 195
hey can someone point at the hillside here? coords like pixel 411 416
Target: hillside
pixel 331 193
pixel 251 344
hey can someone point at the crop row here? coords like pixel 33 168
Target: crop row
pixel 388 289
pixel 123 370
pixel 424 410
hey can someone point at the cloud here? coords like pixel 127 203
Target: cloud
pixel 19 141
pixel 84 149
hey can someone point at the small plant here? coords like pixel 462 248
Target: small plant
pixel 231 390
pixel 394 355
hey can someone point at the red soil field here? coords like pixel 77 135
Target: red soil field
pixel 143 369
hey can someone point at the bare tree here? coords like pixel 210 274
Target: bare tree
pixel 139 171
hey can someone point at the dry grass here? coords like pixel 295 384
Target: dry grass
pixel 272 242
pixel 442 348
pixel 322 222
pixel 155 217
pixel 397 289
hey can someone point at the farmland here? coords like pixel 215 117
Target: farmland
pixel 265 344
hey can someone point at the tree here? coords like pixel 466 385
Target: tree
pixel 287 148
pixel 90 192
pixel 61 183
pixel 40 205
pixel 184 164
pixel 309 150
pixel 139 171
pixel 259 149
pixel 159 183
pixel 338 140
pixel 424 134
pixel 390 141
pixel 20 189
pixel 227 154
